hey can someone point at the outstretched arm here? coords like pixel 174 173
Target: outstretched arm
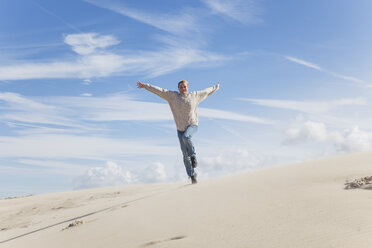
pixel 203 94
pixel 163 93
pixel 140 85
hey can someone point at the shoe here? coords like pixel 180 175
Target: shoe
pixel 194 162
pixel 193 179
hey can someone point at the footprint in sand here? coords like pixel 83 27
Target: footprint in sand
pixel 162 241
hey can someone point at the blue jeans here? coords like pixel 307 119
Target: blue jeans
pixel 187 147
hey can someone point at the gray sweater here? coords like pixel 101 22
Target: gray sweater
pixel 183 107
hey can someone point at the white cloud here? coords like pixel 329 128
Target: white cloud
pixel 109 175
pixel 245 11
pixel 88 43
pixel 154 173
pixel 353 140
pixel 227 162
pixel 306 131
pixel 232 160
pixel 87 81
pixel 348 140
pixel 113 175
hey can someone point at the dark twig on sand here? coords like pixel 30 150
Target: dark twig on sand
pixel 358 183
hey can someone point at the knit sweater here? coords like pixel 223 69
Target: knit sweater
pixel 183 106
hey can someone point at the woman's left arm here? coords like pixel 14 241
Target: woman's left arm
pixel 203 94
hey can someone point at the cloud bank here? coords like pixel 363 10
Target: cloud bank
pixel 231 161
pixel 111 174
pixel 347 140
pixel 227 162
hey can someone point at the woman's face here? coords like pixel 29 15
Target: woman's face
pixel 183 88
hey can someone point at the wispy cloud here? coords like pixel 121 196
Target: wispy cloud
pixel 227 115
pixel 65 146
pixel 179 23
pixel 55 165
pixel 76 111
pixel 94 60
pixel 65 127
pixel 245 11
pixel 49 12
pixel 53 133
pixel 306 106
pixel 182 40
pixel 171 59
pixel 348 78
pixel 125 108
pixel 19 110
pixel 318 68
pixel 117 107
pixel 83 67
pixel 304 63
pixel 87 94
pixel 16 101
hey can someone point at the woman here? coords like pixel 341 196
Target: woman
pixel 183 105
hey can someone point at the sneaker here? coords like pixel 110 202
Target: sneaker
pixel 194 162
pixel 193 179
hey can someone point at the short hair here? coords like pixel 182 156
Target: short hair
pixel 183 81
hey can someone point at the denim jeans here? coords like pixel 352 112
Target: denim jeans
pixel 187 147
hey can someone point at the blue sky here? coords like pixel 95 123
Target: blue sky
pixel 295 85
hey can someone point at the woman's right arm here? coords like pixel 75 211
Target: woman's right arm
pixel 163 93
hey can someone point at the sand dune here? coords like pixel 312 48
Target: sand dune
pixel 300 205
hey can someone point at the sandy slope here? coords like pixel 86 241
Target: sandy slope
pixel 301 205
